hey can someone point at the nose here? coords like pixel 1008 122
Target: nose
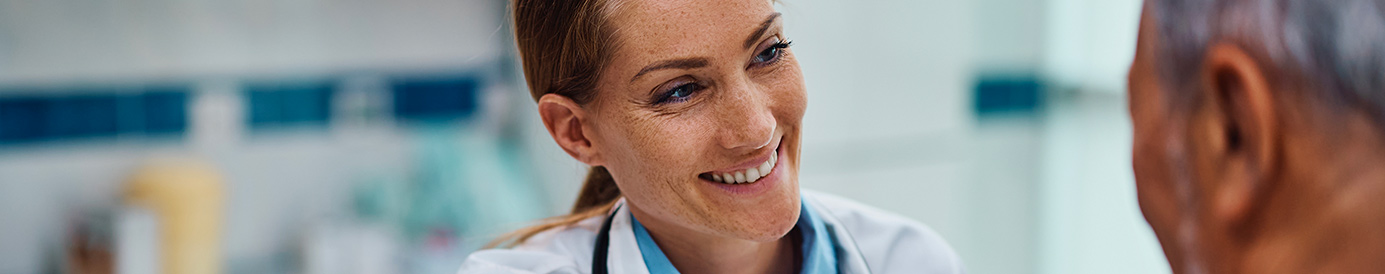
pixel 746 118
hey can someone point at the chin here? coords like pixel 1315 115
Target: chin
pixel 770 220
pixel 762 211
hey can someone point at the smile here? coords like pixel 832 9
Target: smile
pixel 746 176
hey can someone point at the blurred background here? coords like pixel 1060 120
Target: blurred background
pixel 396 136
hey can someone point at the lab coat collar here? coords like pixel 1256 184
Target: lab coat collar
pixel 816 247
pixel 849 257
pixel 624 251
pixel 625 256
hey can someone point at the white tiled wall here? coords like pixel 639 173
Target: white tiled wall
pixel 888 123
pixel 277 183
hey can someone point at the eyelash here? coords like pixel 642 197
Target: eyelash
pixel 667 96
pixel 778 49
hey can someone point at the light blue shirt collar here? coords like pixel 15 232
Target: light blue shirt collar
pixel 819 256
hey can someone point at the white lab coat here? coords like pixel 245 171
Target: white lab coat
pixel 868 241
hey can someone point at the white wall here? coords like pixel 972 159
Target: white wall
pixel 889 122
pixel 1089 219
pixel 277 183
pixel 1090 43
pixel 64 40
pixel 1010 35
pixel 1005 148
pixel 888 108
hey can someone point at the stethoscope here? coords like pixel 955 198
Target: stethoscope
pixel 603 243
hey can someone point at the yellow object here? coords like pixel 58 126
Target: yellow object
pixel 187 196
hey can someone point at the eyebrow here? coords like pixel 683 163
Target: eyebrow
pixel 698 62
pixel 685 63
pixel 764 26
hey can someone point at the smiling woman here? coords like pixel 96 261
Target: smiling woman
pixel 690 114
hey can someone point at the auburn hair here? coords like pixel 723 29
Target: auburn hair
pixel 564 45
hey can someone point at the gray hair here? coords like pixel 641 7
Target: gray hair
pixel 1336 46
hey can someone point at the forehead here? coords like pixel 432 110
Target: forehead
pixel 684 28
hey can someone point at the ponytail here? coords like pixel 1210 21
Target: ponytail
pixel 598 190
pixel 563 47
pixel 599 193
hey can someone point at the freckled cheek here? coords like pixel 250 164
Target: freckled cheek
pixel 671 148
pixel 790 96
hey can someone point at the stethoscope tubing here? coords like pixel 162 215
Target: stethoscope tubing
pixel 603 243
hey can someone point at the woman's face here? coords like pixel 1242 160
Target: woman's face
pixel 695 91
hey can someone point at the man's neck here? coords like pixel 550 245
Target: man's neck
pixel 1345 235
pixel 1328 213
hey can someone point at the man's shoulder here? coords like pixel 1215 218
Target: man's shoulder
pixel 891 243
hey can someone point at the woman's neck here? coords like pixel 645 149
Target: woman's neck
pixel 693 252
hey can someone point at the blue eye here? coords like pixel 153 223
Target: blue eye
pixel 772 53
pixel 678 94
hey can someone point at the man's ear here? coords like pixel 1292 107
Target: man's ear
pixel 1240 130
pixel 566 122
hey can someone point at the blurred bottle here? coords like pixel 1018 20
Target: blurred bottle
pixel 187 197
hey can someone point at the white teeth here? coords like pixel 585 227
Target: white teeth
pixel 749 175
pixel 752 174
pixel 765 167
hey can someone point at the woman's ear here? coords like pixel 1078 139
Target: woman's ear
pixel 1240 132
pixel 566 122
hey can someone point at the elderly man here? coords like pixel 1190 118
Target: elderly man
pixel 1260 134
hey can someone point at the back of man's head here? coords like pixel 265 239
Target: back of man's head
pixel 1336 47
pixel 1259 133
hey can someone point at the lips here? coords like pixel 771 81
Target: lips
pixel 746 173
pixel 749 175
